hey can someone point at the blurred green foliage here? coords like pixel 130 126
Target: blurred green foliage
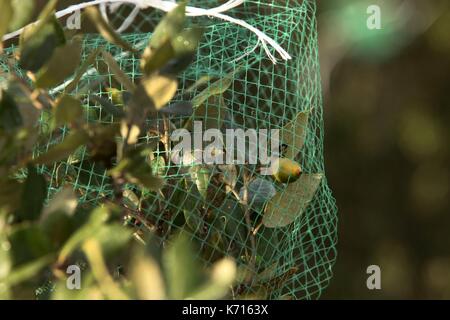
pixel 387 142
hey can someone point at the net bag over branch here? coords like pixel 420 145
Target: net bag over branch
pixel 281 229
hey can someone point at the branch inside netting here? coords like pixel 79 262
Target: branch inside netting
pixel 166 6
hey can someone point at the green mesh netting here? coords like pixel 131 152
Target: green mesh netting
pixel 262 95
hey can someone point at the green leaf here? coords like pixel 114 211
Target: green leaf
pixel 34 193
pixel 181 269
pixel 158 165
pixel 217 88
pixel 120 76
pixel 113 238
pixel 10 117
pixel 294 133
pixel 38 43
pixel 108 287
pixel 64 149
pixel 63 62
pixel 5 256
pixel 222 277
pixel 131 200
pixel 201 176
pixel 187 41
pixel 135 169
pixel 201 82
pixel 169 26
pixel 154 59
pixel 147 278
pixel 174 55
pixel 56 218
pixel 64 201
pixel 10 194
pixel 188 198
pixel 106 30
pixel 291 202
pixel 67 110
pixel 6 15
pixel 160 89
pixel 28 270
pixel 23 12
pixel 28 242
pixel 96 219
pixel 177 64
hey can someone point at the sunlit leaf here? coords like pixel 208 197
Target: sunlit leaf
pixel 131 200
pixel 291 203
pixel 129 132
pixel 147 278
pixel 161 89
pixel 169 26
pixel 158 165
pixel 223 275
pixel 187 41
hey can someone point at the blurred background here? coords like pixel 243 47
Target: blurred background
pixel 386 101
pixel 387 114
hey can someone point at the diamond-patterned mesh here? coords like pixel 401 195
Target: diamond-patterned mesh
pixel 262 96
